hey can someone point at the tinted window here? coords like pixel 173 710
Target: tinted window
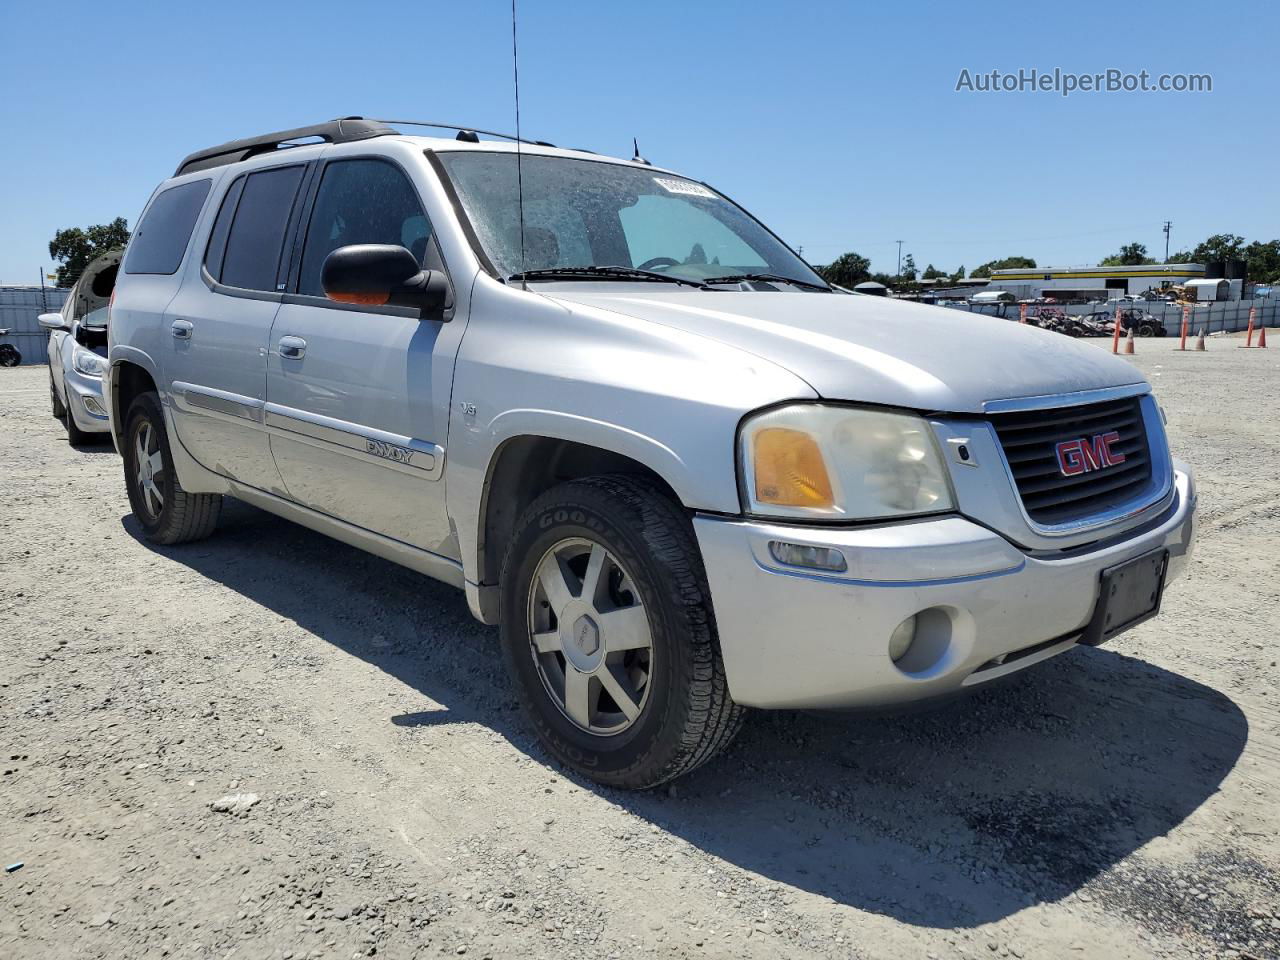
pixel 221 227
pixel 163 235
pixel 254 242
pixel 361 201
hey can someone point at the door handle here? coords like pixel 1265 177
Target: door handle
pixel 181 329
pixel 292 348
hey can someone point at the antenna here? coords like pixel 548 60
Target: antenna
pixel 635 157
pixel 515 71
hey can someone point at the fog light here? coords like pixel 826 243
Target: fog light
pixel 901 639
pixel 805 555
pixel 94 407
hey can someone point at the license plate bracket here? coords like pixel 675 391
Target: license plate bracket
pixel 1129 593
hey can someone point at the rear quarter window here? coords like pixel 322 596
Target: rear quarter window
pixel 161 239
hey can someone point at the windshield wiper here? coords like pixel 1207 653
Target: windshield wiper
pixel 603 273
pixel 768 277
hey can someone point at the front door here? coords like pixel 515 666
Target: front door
pixel 357 430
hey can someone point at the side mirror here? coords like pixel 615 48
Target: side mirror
pixel 51 321
pixel 381 274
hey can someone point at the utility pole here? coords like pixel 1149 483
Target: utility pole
pixel 899 273
pixel 1168 224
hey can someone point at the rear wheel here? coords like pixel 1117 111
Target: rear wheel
pixel 608 632
pixel 166 512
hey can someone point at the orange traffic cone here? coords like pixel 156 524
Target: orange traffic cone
pixel 1262 335
pixel 1128 342
pixel 1200 340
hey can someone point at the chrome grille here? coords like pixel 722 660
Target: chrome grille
pixel 1030 439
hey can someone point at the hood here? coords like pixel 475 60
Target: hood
pixel 92 291
pixel 873 350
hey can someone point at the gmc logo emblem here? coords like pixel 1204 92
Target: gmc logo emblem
pixel 1080 456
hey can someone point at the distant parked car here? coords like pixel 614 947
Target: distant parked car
pixel 9 354
pixel 77 351
pixel 1140 322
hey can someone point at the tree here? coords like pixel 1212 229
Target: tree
pixel 1008 263
pixel 1130 255
pixel 1182 256
pixel 933 273
pixel 958 275
pixel 1263 261
pixel 908 269
pixel 846 270
pixel 1221 246
pixel 75 249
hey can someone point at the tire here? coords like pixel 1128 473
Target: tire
pixel 9 355
pixel 59 409
pixel 75 436
pixel 166 512
pixel 681 711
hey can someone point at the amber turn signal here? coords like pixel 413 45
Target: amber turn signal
pixel 364 299
pixel 789 469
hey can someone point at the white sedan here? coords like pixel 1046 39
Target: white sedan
pixel 77 351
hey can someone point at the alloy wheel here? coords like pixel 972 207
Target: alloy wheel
pixel 149 462
pixel 590 637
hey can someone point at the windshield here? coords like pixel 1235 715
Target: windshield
pixel 584 213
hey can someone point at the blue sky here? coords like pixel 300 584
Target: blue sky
pixel 837 124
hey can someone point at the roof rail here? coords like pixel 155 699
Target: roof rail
pixel 467 130
pixel 343 130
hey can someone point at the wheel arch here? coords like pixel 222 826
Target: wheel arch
pixel 130 377
pixel 521 469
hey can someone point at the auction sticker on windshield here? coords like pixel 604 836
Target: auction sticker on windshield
pixel 683 186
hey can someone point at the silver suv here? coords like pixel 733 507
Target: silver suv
pixel 684 474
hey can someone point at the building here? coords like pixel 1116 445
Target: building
pixel 20 304
pixel 1092 283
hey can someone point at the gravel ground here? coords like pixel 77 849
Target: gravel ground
pixel 1116 802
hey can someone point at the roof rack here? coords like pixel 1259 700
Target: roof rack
pixel 467 134
pixel 343 130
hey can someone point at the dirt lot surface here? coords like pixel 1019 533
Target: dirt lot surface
pixel 1115 802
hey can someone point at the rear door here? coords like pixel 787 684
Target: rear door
pixel 151 274
pixel 218 327
pixel 355 431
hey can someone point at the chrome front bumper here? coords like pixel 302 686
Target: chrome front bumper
pixel 800 638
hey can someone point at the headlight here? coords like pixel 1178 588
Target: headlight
pixel 841 463
pixel 87 362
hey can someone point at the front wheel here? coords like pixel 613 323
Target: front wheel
pixel 59 410
pixel 75 436
pixel 609 635
pixel 166 512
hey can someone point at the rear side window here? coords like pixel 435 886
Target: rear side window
pixel 217 249
pixel 163 235
pixel 361 201
pixel 247 239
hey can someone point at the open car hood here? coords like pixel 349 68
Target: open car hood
pixel 93 290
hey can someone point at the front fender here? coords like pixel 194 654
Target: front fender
pixel 592 432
